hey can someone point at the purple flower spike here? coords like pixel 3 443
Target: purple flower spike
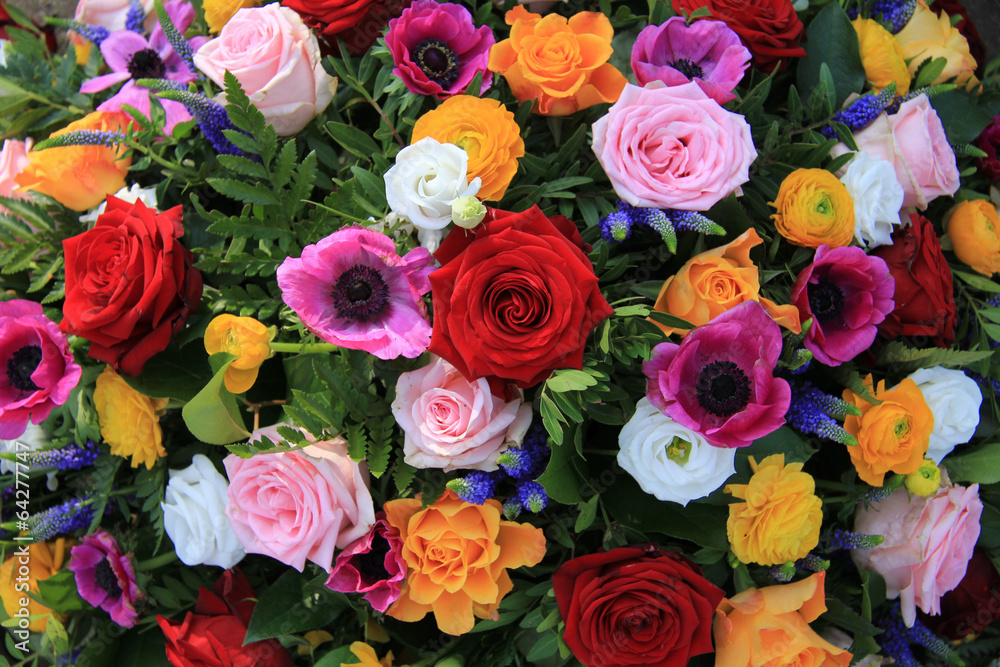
pixel 438 50
pixel 706 52
pixel 847 293
pixel 720 381
pixel 372 565
pixel 105 578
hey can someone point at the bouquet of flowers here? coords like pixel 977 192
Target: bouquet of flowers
pixel 609 332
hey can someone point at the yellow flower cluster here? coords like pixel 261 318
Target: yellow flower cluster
pixel 130 422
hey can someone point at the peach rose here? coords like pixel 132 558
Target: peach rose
pixel 716 280
pixel 931 35
pixel 458 554
pixel 770 626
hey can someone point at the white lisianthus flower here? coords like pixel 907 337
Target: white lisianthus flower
pixel 194 515
pixel 954 398
pixel 670 461
pixel 130 194
pixel 877 196
pixel 427 177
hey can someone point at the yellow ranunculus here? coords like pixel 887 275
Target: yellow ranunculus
pixel 780 517
pixel 882 56
pixel 248 340
pixel 974 231
pixel 925 480
pixel 218 12
pixel 129 421
pixel 929 35
pixel 44 559
pixel 814 208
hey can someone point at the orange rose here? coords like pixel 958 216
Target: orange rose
pixel 893 435
pixel 44 559
pixel 80 177
pixel 929 35
pixel 484 129
pixel 770 626
pixel 458 555
pixel 561 63
pixel 711 283
pixel 974 230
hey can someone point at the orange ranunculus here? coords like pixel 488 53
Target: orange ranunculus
pixel 484 129
pixel 881 56
pixel 974 230
pixel 248 340
pixel 711 283
pixel 929 35
pixel 893 435
pixel 43 560
pixel 770 626
pixel 80 177
pixel 814 209
pixel 561 63
pixel 458 555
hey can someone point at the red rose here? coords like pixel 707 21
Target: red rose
pixel 514 299
pixel 358 23
pixel 988 141
pixel 973 605
pixel 769 28
pixel 213 635
pixel 925 303
pixel 636 606
pixel 129 284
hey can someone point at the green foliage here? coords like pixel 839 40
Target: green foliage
pixel 833 58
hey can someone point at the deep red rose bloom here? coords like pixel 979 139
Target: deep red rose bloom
pixel 973 605
pixel 636 606
pixel 357 23
pixel 516 298
pixel 924 296
pixel 130 285
pixel 769 28
pixel 213 635
pixel 988 141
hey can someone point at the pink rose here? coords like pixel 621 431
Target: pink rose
pixel 108 14
pixel 452 423
pixel 298 505
pixel 13 158
pixel 927 547
pixel 913 140
pixel 276 58
pixel 673 147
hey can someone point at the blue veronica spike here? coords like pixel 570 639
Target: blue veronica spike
pixel 532 496
pixel 476 487
pixel 94 34
pixel 696 222
pixel 658 221
pixel 839 539
pixel 70 457
pixel 83 138
pixel 136 17
pixel 511 509
pixel 66 517
pixel 811 411
pixel 177 41
pixel 863 111
pixel 897 13
pixel 212 117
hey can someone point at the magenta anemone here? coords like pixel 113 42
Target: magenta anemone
pixel 438 50
pixel 720 380
pixel 372 565
pixel 706 52
pixel 352 289
pixel 40 370
pixel 105 578
pixel 847 293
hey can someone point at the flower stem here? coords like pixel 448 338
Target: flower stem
pixel 157 561
pixel 303 348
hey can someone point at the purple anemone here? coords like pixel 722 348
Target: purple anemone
pixel 372 565
pixel 720 380
pixel 706 52
pixel 40 370
pixel 847 293
pixel 438 50
pixel 105 578
pixel 352 289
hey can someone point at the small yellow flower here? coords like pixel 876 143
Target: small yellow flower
pixel 881 56
pixel 781 516
pixel 315 638
pixel 368 657
pixel 218 12
pixel 129 421
pixel 245 338
pixel 814 208
pixel 925 480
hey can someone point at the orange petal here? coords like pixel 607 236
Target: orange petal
pixel 453 613
pixel 606 85
pixel 240 380
pixel 520 544
pixel 593 23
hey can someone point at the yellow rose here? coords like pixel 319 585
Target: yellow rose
pixel 893 435
pixel 814 208
pixel 929 35
pixel 218 12
pixel 781 516
pixel 44 559
pixel 248 340
pixel 129 421
pixel 882 56
pixel 458 555
pixel 974 230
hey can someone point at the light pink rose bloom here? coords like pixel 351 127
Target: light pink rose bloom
pixel 108 14
pixel 13 158
pixel 276 59
pixel 927 547
pixel 298 505
pixel 673 147
pixel 452 423
pixel 913 140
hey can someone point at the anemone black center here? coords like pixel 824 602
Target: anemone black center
pixel 437 61
pixel 146 64
pixel 372 564
pixel 360 293
pixel 106 579
pixel 723 389
pixel 21 365
pixel 826 300
pixel 688 68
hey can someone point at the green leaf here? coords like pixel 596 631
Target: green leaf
pixel 176 373
pixel 831 42
pixel 977 282
pixel 843 616
pixel 928 72
pixel 979 464
pixel 570 380
pixel 905 359
pixel 560 479
pixel 339 656
pixel 243 192
pixel 212 415
pixel 588 512
pixel 668 320
pixel 963 119
pixel 294 604
pixel 353 140
pixel 59 593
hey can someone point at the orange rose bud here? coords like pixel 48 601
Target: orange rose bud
pixel 974 230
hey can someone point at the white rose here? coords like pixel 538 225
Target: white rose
pixel 427 177
pixel 130 194
pixel 877 196
pixel 670 461
pixel 954 398
pixel 194 515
